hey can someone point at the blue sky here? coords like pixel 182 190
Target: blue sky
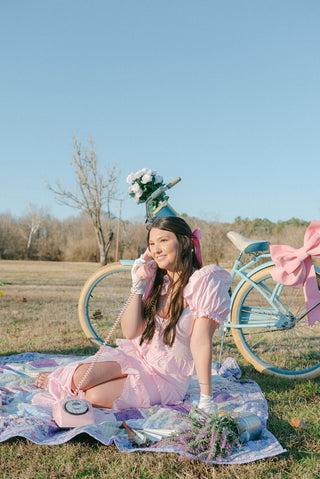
pixel 223 93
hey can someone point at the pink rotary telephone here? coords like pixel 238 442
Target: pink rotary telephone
pixel 73 412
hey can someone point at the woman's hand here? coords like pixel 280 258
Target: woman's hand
pixel 132 321
pixel 142 271
pixel 138 283
pixel 207 404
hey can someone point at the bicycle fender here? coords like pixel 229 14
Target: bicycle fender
pixel 242 281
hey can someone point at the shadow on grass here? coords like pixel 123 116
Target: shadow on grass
pixel 269 383
pixel 83 351
pixel 79 439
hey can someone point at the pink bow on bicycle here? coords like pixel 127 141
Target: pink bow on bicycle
pixel 294 267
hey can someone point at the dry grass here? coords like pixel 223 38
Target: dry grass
pixel 47 322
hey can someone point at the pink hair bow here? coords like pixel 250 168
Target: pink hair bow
pixel 294 267
pixel 196 236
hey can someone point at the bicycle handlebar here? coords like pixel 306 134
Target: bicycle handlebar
pixel 157 193
pixel 173 182
pixel 164 188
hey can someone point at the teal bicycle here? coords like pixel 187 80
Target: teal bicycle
pixel 267 320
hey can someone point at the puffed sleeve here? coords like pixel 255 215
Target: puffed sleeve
pixel 207 293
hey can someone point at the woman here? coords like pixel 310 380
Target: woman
pixel 168 325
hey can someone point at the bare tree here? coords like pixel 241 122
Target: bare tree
pixel 34 218
pixel 93 190
pixel 30 225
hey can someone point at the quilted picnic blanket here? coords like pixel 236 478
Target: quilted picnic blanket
pixel 23 413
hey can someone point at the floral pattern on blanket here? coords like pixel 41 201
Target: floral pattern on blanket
pixel 23 416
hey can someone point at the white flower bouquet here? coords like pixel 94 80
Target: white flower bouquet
pixel 143 183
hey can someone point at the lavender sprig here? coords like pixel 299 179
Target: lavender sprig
pixel 206 437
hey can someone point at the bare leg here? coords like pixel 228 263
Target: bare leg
pixel 100 373
pixel 103 386
pixel 104 395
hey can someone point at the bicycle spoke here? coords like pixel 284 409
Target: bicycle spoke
pixel 306 340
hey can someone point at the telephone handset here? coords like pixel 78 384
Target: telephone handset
pixel 145 271
pixel 146 255
pixel 71 412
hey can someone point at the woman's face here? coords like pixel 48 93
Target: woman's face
pixel 163 246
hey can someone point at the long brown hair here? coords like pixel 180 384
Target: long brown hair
pixel 186 263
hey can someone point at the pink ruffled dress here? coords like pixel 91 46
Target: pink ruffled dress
pixel 159 374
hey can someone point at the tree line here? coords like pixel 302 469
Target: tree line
pixel 87 236
pixel 43 237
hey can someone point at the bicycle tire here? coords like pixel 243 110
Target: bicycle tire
pixel 291 353
pixel 101 300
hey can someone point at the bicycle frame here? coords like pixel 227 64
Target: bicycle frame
pixel 245 271
pixel 281 313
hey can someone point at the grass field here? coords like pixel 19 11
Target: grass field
pixel 47 322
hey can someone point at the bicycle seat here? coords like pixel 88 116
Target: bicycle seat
pixel 247 245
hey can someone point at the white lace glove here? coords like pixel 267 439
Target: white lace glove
pixel 138 285
pixel 207 404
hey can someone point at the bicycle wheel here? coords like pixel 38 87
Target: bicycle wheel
pixel 293 353
pixel 101 300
